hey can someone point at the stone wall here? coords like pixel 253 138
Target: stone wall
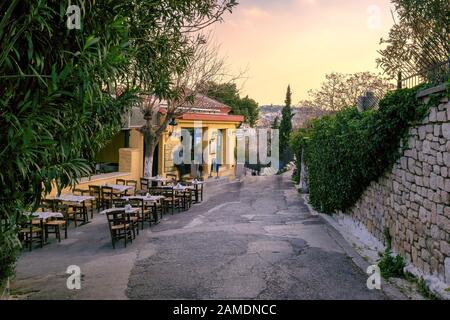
pixel 413 200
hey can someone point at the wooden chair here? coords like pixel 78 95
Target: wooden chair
pixel 171 200
pixel 118 203
pixel 47 205
pixel 32 230
pixel 132 183
pixel 144 214
pixel 54 225
pixel 80 192
pixel 120 226
pixel 95 191
pixel 120 181
pixel 107 197
pixel 145 184
pixel 82 208
pixel 186 197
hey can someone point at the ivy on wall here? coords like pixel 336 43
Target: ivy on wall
pixel 346 151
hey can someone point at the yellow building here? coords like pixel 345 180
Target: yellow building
pixel 123 157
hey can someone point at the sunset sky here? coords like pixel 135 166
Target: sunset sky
pixel 297 42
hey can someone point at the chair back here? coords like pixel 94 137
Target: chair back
pixel 118 203
pixel 95 191
pixel 117 217
pixel 120 181
pixel 47 205
pixel 144 183
pixel 107 193
pixel 80 192
pixel 132 183
pixel 156 191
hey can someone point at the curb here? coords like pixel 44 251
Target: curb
pixel 390 290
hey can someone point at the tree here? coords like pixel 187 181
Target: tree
pixel 339 91
pixel 286 126
pixel 228 94
pixel 250 107
pixel 418 40
pixel 59 96
pixel 204 66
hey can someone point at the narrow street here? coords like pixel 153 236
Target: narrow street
pixel 248 240
pixel 251 240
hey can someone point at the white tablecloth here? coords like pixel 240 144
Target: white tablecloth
pixel 132 210
pixel 145 198
pixel 74 198
pixel 45 215
pixel 119 187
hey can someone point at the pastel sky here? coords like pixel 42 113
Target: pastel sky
pixel 297 42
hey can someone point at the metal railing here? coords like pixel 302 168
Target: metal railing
pixel 435 74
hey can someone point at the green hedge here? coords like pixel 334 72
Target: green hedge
pixel 345 152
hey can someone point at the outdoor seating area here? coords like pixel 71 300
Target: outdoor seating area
pixel 126 207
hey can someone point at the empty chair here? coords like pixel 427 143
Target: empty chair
pixel 171 200
pixel 107 197
pixel 118 203
pixel 32 230
pixel 56 224
pixel 95 191
pixel 120 181
pixel 145 184
pixel 132 183
pixel 144 214
pixel 172 177
pixel 120 226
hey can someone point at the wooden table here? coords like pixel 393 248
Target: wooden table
pixel 144 198
pixel 78 200
pixel 129 211
pixel 120 188
pixel 44 215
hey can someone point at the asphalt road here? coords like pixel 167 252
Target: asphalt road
pixel 254 239
pixel 250 240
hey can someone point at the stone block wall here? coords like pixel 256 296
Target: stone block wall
pixel 413 200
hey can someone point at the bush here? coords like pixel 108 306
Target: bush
pixel 391 266
pixel 345 152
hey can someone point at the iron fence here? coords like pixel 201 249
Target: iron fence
pixel 434 74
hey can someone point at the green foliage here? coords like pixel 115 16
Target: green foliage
pixel 286 128
pixel 297 142
pixel 59 102
pixel 345 152
pixel 418 40
pixel 391 266
pixel 228 94
pixel 425 291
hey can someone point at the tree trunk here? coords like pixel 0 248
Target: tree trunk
pixel 149 154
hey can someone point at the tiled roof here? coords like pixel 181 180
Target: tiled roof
pixel 202 105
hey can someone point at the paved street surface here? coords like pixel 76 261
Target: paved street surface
pixel 253 240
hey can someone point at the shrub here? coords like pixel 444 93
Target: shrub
pixel 345 152
pixel 391 266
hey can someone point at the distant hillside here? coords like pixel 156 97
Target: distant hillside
pixel 267 114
